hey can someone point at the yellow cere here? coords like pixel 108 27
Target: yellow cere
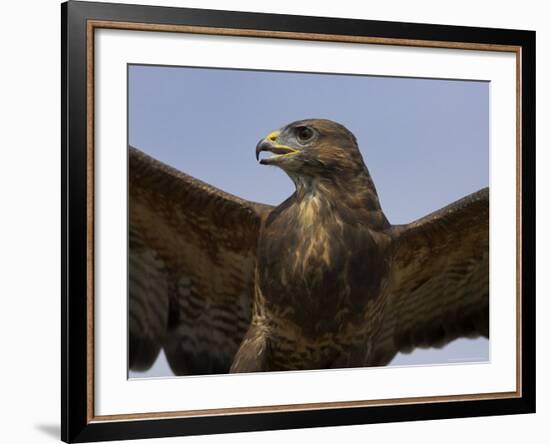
pixel 272 137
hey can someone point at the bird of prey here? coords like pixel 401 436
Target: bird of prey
pixel 321 281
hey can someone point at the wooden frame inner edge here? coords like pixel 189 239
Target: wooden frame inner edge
pixel 90 28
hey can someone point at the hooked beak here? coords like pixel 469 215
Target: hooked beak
pixel 269 144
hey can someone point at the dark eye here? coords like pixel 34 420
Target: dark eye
pixel 303 134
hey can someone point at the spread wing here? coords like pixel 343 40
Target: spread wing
pixel 439 287
pixel 192 253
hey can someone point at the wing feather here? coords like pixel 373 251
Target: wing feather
pixel 192 251
pixel 439 287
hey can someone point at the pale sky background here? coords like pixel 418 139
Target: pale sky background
pixel 425 141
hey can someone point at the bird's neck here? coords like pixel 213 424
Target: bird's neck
pixel 353 194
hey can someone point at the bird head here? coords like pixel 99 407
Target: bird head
pixel 312 148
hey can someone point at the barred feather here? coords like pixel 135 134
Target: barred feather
pixel 439 287
pixel 191 262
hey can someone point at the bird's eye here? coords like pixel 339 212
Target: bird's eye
pixel 303 134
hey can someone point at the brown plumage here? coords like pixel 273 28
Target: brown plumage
pixel 321 281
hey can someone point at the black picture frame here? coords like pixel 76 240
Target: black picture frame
pixel 76 423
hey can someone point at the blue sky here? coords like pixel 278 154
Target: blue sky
pixel 425 141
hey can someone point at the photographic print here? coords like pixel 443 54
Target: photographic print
pixel 305 221
pixel 276 221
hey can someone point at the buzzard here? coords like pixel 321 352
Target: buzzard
pixel 321 281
